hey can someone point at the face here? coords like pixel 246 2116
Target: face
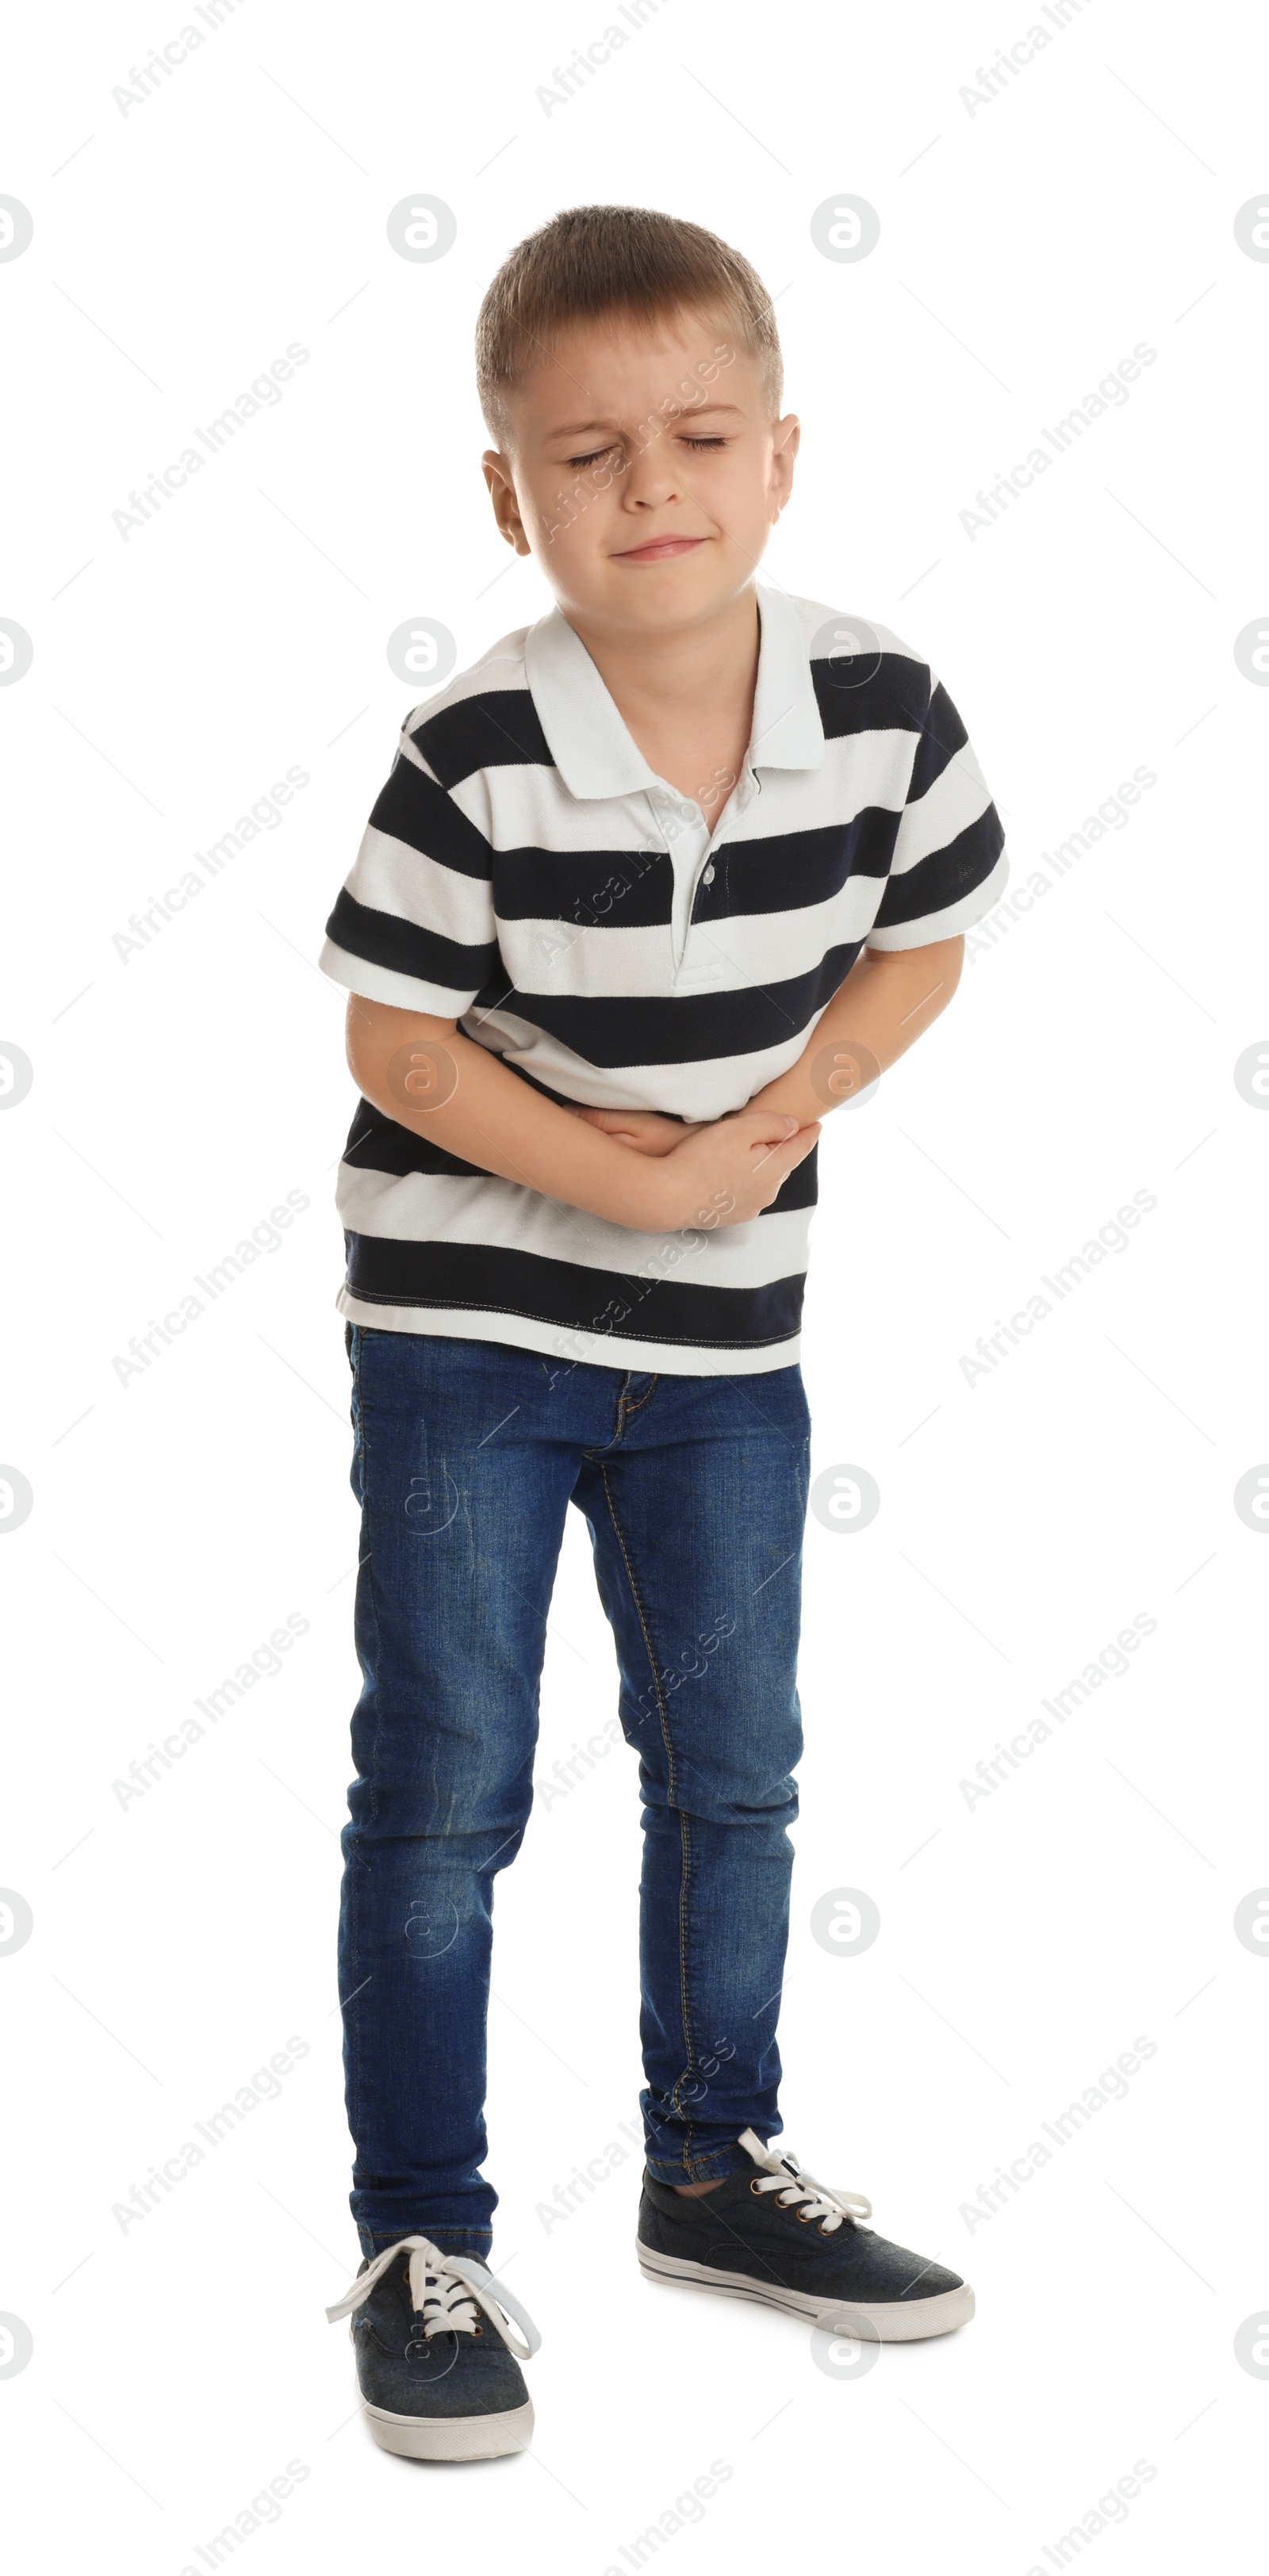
pixel 644 470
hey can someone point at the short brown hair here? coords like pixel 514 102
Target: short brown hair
pixel 595 260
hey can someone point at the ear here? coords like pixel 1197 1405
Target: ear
pixel 502 492
pixel 785 438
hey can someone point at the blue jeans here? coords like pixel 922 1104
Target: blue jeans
pixel 467 1455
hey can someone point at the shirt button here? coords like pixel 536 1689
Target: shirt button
pixel 709 874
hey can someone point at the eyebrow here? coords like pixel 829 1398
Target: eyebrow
pixel 684 411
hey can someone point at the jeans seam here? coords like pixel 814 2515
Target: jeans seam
pixel 356 2122
pixel 625 1407
pixel 683 1832
pixel 639 1399
pixel 684 1883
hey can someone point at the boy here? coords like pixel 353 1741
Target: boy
pixel 648 889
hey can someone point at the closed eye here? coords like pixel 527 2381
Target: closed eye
pixel 597 454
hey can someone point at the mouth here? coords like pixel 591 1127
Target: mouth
pixel 659 550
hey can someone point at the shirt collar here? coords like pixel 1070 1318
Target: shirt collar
pixel 589 743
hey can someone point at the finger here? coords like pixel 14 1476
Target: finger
pixel 784 1157
pixel 767 1126
pixel 625 1126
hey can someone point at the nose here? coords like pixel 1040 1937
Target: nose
pixel 651 478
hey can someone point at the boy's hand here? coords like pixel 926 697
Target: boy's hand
pixel 719 1174
pixel 727 1173
pixel 641 1128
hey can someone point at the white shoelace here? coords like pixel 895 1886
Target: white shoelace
pixel 447 2291
pixel 795 2189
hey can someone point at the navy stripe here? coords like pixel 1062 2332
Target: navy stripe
pixel 895 694
pixel 493 1279
pixel 792 870
pixel 383 939
pixel 377 1144
pixel 684 1028
pixel 946 876
pixel 942 736
pixel 415 810
pixel 489 731
pixel 632 889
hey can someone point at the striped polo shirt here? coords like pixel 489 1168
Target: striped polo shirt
pixel 526 873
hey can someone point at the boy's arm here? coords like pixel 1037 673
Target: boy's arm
pixel 889 999
pixel 421 1072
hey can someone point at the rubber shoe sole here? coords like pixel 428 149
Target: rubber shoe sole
pixel 451 2437
pixel 890 2320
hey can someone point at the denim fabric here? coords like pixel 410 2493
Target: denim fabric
pixel 467 1455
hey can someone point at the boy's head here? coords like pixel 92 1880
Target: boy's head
pixel 628 367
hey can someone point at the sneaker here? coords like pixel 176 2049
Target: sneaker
pixel 437 2365
pixel 775 2234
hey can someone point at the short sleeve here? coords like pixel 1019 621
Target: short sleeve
pixel 949 864
pixel 414 921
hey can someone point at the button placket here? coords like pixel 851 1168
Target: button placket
pixel 681 817
pixel 712 964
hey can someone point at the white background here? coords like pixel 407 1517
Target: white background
pixel 1026 1941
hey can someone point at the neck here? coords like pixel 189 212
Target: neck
pixel 698 672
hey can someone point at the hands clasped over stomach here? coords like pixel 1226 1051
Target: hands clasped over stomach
pixel 724 1173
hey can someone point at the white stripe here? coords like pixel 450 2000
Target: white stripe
pixel 859 770
pixel 524 806
pixel 701 1091
pixel 502 667
pixel 605 1350
pixel 743 952
pixel 818 614
pixel 953 801
pixel 388 876
pixel 381 984
pixel 444 1207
